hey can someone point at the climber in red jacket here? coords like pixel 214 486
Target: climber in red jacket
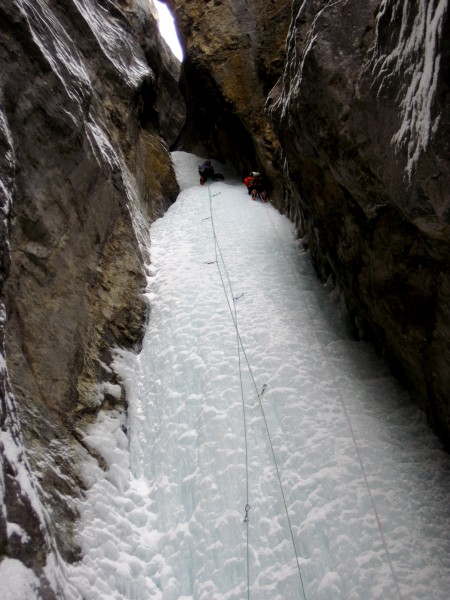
pixel 248 182
pixel 255 186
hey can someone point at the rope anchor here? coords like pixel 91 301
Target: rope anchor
pixel 247 508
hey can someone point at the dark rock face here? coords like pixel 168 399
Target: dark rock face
pixel 234 55
pixel 164 102
pixel 362 115
pixel 84 169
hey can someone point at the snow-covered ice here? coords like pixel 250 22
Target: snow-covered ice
pixel 18 582
pixel 240 327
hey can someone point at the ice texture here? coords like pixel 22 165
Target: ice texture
pixel 239 325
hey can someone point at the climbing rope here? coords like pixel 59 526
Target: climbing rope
pixel 327 358
pixel 233 313
pixel 218 253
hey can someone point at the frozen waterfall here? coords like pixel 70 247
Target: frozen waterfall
pixel 245 360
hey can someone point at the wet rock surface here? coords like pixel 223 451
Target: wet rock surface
pixel 363 142
pixel 85 127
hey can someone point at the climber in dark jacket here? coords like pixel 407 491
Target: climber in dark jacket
pixel 205 170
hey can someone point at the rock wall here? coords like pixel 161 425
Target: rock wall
pixel 362 116
pixel 360 157
pixel 84 126
pixel 234 55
